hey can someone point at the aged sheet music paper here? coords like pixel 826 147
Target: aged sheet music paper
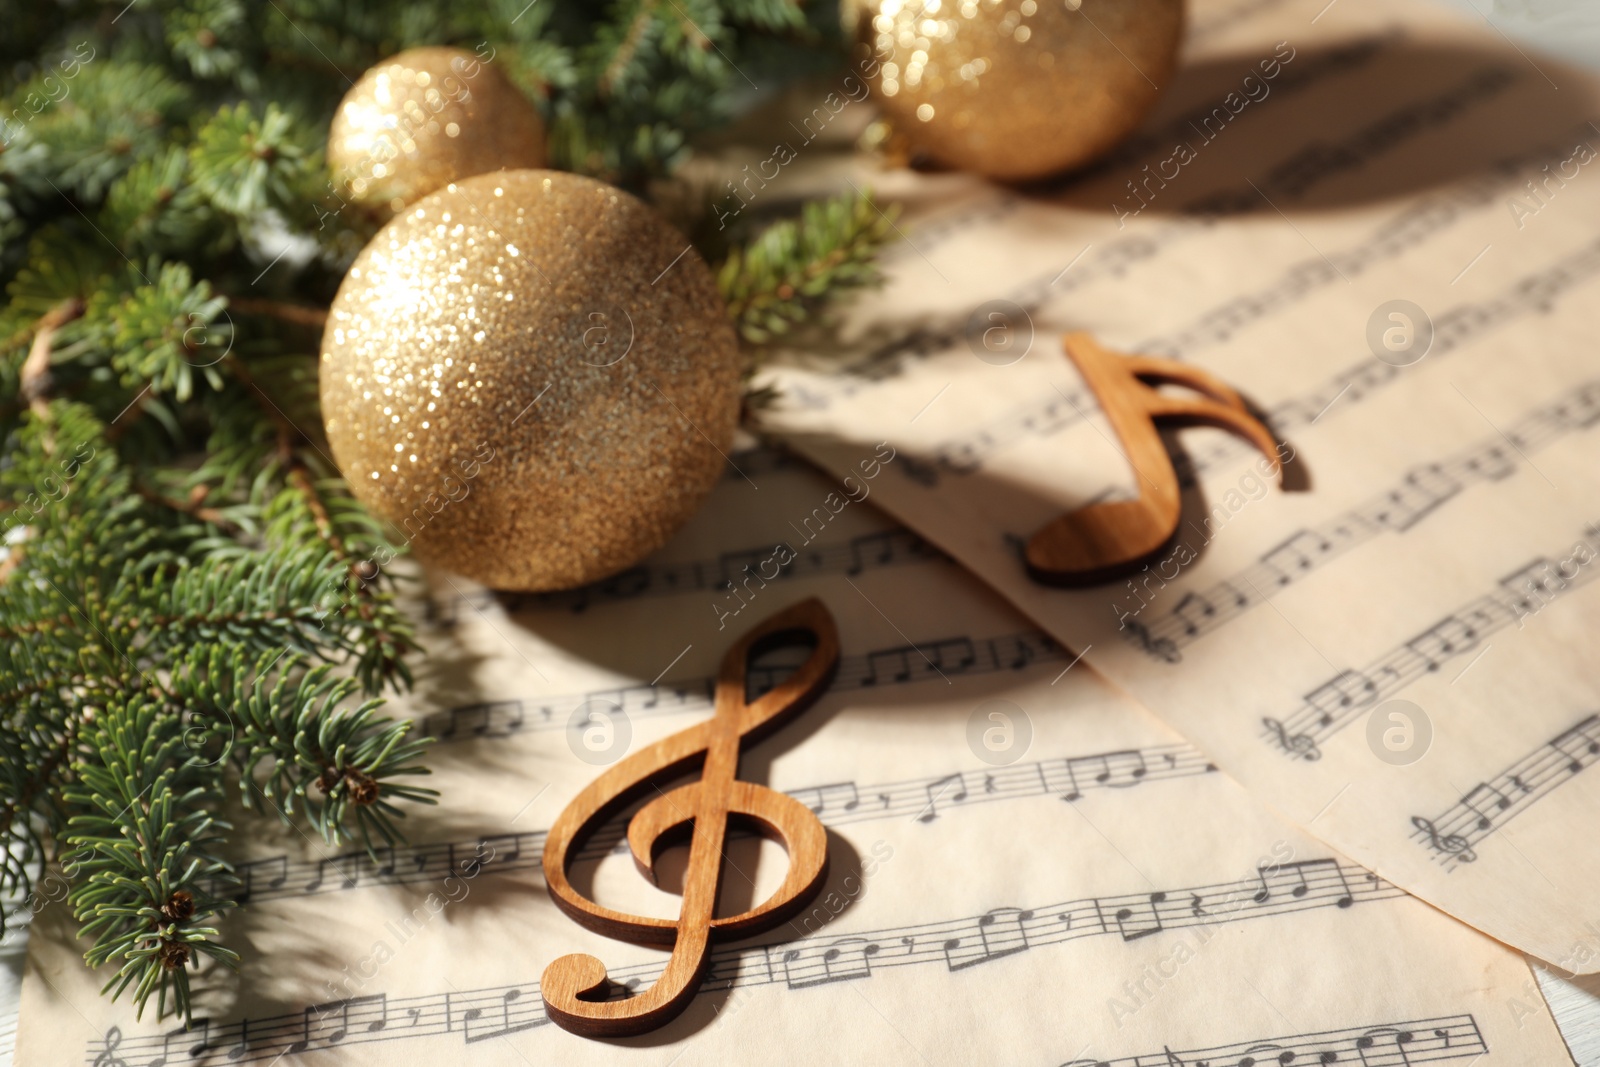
pixel 1438 544
pixel 1067 882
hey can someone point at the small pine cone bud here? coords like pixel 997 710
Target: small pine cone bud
pixel 179 906
pixel 173 955
pixel 363 790
pixel 328 779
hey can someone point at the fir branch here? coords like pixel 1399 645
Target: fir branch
pixel 178 556
pixel 295 748
pixel 781 278
pixel 140 847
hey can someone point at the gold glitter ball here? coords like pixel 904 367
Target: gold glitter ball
pixel 532 376
pixel 425 118
pixel 1016 89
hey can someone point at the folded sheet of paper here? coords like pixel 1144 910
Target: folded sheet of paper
pixel 1024 865
pixel 1378 223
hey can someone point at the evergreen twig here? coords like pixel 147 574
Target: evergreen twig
pixel 188 600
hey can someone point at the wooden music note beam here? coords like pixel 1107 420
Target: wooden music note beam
pixel 572 984
pixel 1107 540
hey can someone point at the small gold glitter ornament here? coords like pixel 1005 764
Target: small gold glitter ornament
pixel 532 375
pixel 1016 89
pixel 425 118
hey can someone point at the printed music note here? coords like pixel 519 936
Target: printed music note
pixel 1446 639
pixel 497 848
pixel 629 584
pixel 955 655
pixel 848 958
pixel 1580 745
pixel 1110 538
pixel 1493 463
pixel 348 865
pixel 253 871
pixel 1133 923
pixel 1253 1055
pixel 1299 745
pixel 1348 689
pixel 1197 606
pixel 878 548
pixel 705 805
pixel 1368 1042
pixel 1296 556
pixel 842 796
pixel 1482 806
pixel 1449 844
pixel 194 1049
pixel 1118 770
pixel 1425 489
pixel 898 662
pixel 1072 791
pixel 1290 880
pixel 242 1049
pixel 339 1028
pixel 1001 932
pixel 952 785
pixel 1534 584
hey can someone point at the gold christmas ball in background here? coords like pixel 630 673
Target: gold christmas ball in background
pixel 425 118
pixel 532 375
pixel 1016 89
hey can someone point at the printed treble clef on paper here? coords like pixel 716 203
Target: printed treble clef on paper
pixel 1300 746
pixel 1449 844
pixel 1163 648
pixel 108 1056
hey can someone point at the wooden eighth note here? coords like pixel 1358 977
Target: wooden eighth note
pixel 1107 540
pixel 574 987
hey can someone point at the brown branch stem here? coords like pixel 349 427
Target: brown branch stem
pixel 298 314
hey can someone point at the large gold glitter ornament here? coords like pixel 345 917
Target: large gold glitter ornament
pixel 532 375
pixel 1016 89
pixel 425 118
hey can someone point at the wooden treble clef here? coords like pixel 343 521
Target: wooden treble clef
pixel 574 986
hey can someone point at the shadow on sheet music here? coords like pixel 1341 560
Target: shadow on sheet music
pixel 1426 132
pixel 1370 119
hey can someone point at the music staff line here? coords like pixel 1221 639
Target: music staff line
pixel 886 548
pixel 1453 329
pixel 1307 73
pixel 1331 706
pixel 1430 216
pixel 922 800
pixel 1484 809
pixel 896 665
pixel 958 944
pixel 1418 495
pixel 1398 1044
pixel 1292 178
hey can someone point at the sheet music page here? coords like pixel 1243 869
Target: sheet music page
pixel 1398 651
pixel 1023 863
